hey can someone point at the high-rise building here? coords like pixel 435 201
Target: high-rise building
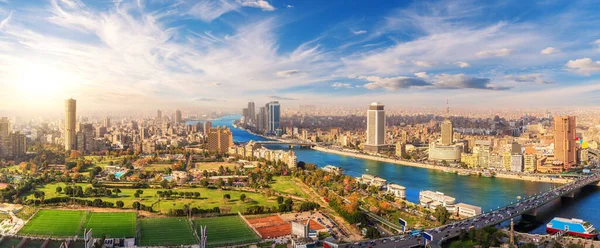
pixel 70 121
pixel 207 126
pixel 219 140
pixel 447 129
pixel 178 116
pixel 261 119
pixel 159 114
pixel 17 145
pixel 274 115
pixel 106 122
pixel 375 128
pixel 4 136
pixel 251 113
pixel 564 141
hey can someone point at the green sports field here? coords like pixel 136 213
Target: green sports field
pixel 112 224
pixel 165 232
pixel 225 230
pixel 55 223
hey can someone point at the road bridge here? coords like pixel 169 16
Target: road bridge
pixel 291 143
pixel 527 206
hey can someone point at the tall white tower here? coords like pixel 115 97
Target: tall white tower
pixel 70 120
pixel 375 127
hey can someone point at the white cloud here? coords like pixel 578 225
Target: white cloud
pixel 597 43
pixel 422 75
pixel 208 10
pixel 5 21
pixel 287 73
pixel 462 64
pixel 289 6
pixel 549 50
pixel 261 4
pixel 529 78
pixel 357 32
pixel 583 66
pixel 424 63
pixel 393 83
pixel 462 81
pixel 342 85
pixel 494 53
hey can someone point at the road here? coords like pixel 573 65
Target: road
pixel 449 231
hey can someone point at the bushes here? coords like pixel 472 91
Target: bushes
pixel 307 206
pixel 194 211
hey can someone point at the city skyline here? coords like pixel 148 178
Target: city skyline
pixel 220 54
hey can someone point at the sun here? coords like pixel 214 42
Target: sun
pixel 37 81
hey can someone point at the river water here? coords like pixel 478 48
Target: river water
pixel 488 193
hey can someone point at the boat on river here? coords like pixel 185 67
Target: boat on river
pixel 574 227
pixel 464 173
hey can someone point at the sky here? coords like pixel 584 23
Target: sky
pixel 115 55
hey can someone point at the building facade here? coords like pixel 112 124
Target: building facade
pixel 375 128
pixel 564 141
pixel 70 123
pixel 219 140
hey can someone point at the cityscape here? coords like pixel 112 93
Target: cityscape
pixel 299 124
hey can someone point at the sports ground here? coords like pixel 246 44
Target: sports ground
pixel 113 225
pixel 165 232
pixel 228 230
pixel 55 223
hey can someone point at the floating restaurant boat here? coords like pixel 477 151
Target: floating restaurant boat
pixel 574 227
pixel 464 173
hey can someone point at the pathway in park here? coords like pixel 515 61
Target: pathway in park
pixel 8 227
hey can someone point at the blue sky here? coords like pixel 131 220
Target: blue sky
pixel 148 54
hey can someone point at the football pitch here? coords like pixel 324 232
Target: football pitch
pixel 55 223
pixel 165 232
pixel 225 230
pixel 112 224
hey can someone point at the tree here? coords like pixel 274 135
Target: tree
pixel 164 184
pixel 280 199
pixel 226 197
pixel 372 233
pixel 220 183
pixel 441 214
pixel 136 205
pixel 120 204
pixel 58 189
pixel 136 195
pixel 242 197
pixel 116 191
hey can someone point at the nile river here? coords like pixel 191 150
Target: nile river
pixel 488 193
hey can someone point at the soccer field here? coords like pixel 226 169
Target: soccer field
pixel 225 230
pixel 55 223
pixel 165 232
pixel 112 224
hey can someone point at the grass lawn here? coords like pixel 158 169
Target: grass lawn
pixel 157 167
pixel 226 230
pixel 166 232
pixel 288 186
pixel 55 223
pixel 112 224
pixel 209 198
pixel 214 166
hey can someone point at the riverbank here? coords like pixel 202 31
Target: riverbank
pixel 441 168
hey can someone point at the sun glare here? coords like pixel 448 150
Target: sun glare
pixel 40 82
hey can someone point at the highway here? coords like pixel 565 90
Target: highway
pixel 442 233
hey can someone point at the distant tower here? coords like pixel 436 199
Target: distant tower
pixel 178 116
pixel 375 127
pixel 447 129
pixel 70 120
pixel 106 123
pixel 512 233
pixel 206 127
pixel 251 113
pixel 273 116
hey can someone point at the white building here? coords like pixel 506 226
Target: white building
pixel 397 190
pixel 466 210
pixel 431 199
pixel 516 163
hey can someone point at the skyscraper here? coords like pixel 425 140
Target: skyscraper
pixel 251 113
pixel 106 122
pixel 158 114
pixel 70 115
pixel 564 141
pixel 273 116
pixel 447 129
pixel 206 127
pixel 375 128
pixel 178 116
pixel 4 136
pixel 261 119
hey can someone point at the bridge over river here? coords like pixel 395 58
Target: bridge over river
pixel 527 206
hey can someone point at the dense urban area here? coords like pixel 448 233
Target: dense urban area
pixel 180 179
